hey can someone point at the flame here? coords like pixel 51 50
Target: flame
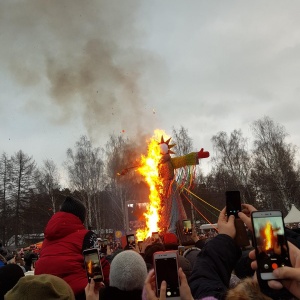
pixel 90 267
pixel 149 169
pixel 269 236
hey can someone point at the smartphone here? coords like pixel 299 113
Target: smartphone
pixel 33 262
pixel 187 226
pixel 233 203
pixel 93 265
pixel 166 268
pixel 181 250
pixel 140 244
pixel 270 242
pixel 130 240
pixel 155 236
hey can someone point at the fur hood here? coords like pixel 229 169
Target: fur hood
pixel 247 289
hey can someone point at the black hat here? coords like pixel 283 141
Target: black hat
pixel 9 276
pixel 75 207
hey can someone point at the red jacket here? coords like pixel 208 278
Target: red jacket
pixel 61 253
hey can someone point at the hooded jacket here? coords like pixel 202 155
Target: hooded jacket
pixel 61 253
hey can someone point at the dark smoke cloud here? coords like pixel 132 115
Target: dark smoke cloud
pixel 86 56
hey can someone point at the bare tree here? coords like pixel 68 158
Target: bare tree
pixel 85 168
pixel 5 185
pixel 121 155
pixel 23 168
pixel 232 163
pixel 275 174
pixel 48 181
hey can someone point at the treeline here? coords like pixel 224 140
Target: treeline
pixel 266 174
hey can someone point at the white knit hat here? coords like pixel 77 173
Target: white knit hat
pixel 128 271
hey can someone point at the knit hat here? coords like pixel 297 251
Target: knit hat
pixel 128 271
pixel 75 207
pixel 9 276
pixel 45 287
pixel 170 238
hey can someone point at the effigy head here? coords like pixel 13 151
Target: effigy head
pixel 165 146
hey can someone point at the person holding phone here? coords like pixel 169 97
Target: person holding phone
pixel 215 262
pixel 150 287
pixel 65 239
pixel 289 276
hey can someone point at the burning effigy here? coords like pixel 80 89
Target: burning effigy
pixel 158 169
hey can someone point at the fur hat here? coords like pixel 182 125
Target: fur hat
pixel 170 238
pixel 45 286
pixel 75 207
pixel 128 271
pixel 9 276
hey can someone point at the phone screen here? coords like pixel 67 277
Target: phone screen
pixel 155 236
pixel 131 240
pixel 270 242
pixel 93 265
pixel 166 269
pixel 187 226
pixel 233 203
pixel 140 244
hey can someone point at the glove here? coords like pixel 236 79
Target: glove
pixel 203 154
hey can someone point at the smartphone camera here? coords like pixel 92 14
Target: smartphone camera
pixel 130 240
pixel 187 226
pixel 181 250
pixel 270 242
pixel 92 265
pixel 166 268
pixel 233 203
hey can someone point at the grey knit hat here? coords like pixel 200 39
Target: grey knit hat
pixel 75 207
pixel 128 271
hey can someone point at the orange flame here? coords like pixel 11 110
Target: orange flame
pixel 149 169
pixel 90 267
pixel 269 236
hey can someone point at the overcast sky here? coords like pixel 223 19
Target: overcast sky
pixel 98 67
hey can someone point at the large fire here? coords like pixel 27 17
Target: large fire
pixel 269 236
pixel 149 170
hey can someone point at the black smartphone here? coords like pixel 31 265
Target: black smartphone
pixel 233 203
pixel 130 240
pixel 93 265
pixel 187 226
pixel 166 268
pixel 181 250
pixel 270 242
pixel 155 236
pixel 33 262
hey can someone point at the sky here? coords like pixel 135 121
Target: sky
pixel 70 68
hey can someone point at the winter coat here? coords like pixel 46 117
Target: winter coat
pixel 61 253
pixel 213 266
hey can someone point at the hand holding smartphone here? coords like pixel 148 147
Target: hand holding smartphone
pixel 93 265
pixel 233 203
pixel 166 268
pixel 130 240
pixel 270 243
pixel 187 226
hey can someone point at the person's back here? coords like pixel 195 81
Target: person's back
pixel 65 239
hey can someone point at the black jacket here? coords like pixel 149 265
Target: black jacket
pixel 212 270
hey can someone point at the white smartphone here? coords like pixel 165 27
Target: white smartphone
pixel 166 268
pixel 270 242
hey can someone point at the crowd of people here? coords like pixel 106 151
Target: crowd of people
pixel 208 269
